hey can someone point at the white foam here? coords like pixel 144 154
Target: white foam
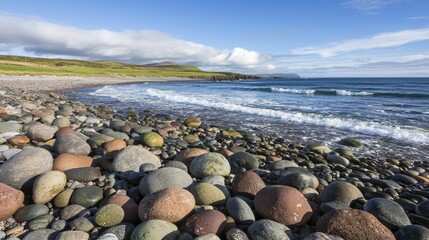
pixel 218 102
pixel 294 91
pixel 313 91
pixel 352 93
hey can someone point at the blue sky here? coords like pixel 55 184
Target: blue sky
pixel 332 38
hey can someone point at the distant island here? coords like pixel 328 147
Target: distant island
pixel 18 66
pixel 280 75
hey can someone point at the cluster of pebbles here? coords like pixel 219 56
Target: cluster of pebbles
pixel 70 171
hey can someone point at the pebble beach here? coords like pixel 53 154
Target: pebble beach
pixel 70 170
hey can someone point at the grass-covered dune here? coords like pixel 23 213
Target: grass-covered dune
pixel 17 65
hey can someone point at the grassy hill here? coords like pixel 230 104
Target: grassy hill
pixel 16 65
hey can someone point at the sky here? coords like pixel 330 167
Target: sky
pixel 319 38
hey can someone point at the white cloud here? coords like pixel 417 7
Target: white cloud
pixel 368 6
pixel 39 37
pixel 382 40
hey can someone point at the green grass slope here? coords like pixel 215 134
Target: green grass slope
pixel 17 65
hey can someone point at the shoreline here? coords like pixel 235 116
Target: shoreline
pixel 108 169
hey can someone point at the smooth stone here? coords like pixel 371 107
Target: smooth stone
pixel 41 234
pixel 109 215
pixel 114 146
pixel 187 155
pixel 282 164
pixel 10 127
pixel 47 186
pixel 404 179
pixel 164 178
pixel 129 206
pixel 205 222
pixel 71 143
pixel 207 194
pixel 11 200
pixel 67 161
pixel 283 204
pixel 334 205
pixel 23 167
pixel 384 183
pixel 340 191
pixel 422 209
pixel 209 236
pixel 351 142
pixel 41 132
pixel 30 212
pixel 71 211
pixel 87 196
pixel 59 225
pixel 171 204
pixel 177 164
pixel 336 158
pixel 209 164
pixel 322 236
pixel 299 178
pixel 142 129
pixel 122 231
pixel 414 232
pixel 147 167
pixel 61 122
pixel 267 229
pixel 108 236
pixel 236 234
pixel 63 198
pixel 242 160
pixel 152 139
pixel 41 222
pixel 247 184
pixel 131 157
pixel 92 120
pixel 81 224
pixel 353 224
pixel 84 174
pixel 18 140
pixel 117 135
pixel 155 229
pixel 240 211
pixel 388 212
pixel 192 122
pixel 100 139
pixel 318 148
pixel 73 235
pixel 8 154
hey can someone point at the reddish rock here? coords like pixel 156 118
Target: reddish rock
pixel 225 152
pixel 283 204
pixel 19 140
pixel 171 204
pixel 205 222
pixel 247 184
pixel 113 146
pixel 44 112
pixel 11 200
pixel 129 206
pixel 64 131
pixel 353 224
pixel 67 161
pixel 186 156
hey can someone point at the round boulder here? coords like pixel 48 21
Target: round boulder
pixel 41 132
pixel 209 164
pixel 208 194
pixel 422 209
pixel 205 222
pixel 340 191
pixel 109 215
pixel 152 139
pixel 268 229
pixel 163 178
pixel 415 232
pixel 283 204
pixel 299 178
pixel 129 206
pixel 247 184
pixel 47 186
pixel 24 166
pixel 187 155
pixel 131 157
pixel 388 212
pixel 353 224
pixel 242 161
pixel 240 211
pixel 155 229
pixel 87 196
pixel 172 205
pixel 71 143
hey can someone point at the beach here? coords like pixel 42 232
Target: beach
pixel 73 170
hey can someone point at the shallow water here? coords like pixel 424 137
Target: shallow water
pixel 389 115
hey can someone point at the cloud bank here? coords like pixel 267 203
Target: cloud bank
pixel 382 40
pixel 44 38
pixel 368 6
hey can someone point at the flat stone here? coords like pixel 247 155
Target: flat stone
pixel 152 139
pixel 41 222
pixel 267 229
pixel 84 174
pixel 10 127
pixel 73 235
pixel 41 132
pixel 23 167
pixel 71 211
pixel 164 178
pixel 108 236
pixel 67 161
pixel 322 236
pixel 41 234
pixel 61 122
pixel 63 198
pixel 81 224
pixel 155 229
pixel 131 157
pixel 207 194
pixel 87 196
pixel 18 140
pixel 71 143
pixel 30 212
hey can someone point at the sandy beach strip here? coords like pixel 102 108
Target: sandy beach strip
pixel 60 83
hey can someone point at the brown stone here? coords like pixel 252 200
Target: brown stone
pixel 205 222
pixel 44 112
pixel 421 179
pixel 11 200
pixel 283 204
pixel 19 140
pixel 186 156
pixel 67 161
pixel 247 184
pixel 171 204
pixel 64 131
pixel 225 152
pixel 129 206
pixel 113 146
pixel 353 224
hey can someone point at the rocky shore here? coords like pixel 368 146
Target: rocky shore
pixel 72 171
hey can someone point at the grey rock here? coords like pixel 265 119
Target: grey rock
pixel 59 225
pixel 236 234
pixel 41 222
pixel 267 229
pixel 388 212
pixel 209 164
pixel 340 191
pixel 131 157
pixel 30 212
pixel 72 143
pixel 299 178
pixel 155 229
pixel 73 235
pixel 8 154
pixel 279 165
pixel 41 234
pixel 414 232
pixel 61 122
pixel 81 224
pixel 87 196
pixel 71 211
pixel 122 231
pixel 322 236
pixel 108 236
pixel 241 161
pixel 422 209
pixel 164 178
pixel 240 211
pixel 10 127
pixel 84 174
pixel 41 132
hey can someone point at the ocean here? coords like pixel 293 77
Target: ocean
pixel 390 116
